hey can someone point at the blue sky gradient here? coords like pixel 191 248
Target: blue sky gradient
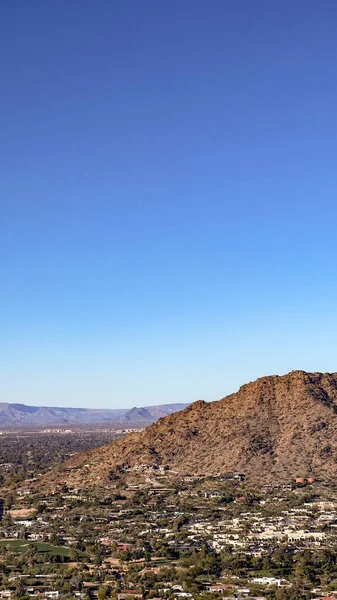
pixel 168 197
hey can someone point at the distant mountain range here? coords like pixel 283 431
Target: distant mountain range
pixel 21 415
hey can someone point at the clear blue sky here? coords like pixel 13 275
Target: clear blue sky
pixel 168 197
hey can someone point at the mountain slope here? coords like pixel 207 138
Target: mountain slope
pixel 20 415
pixel 276 427
pixel 149 414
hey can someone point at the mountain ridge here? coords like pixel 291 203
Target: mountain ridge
pixel 275 427
pixel 21 415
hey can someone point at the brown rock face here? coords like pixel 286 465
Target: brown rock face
pixel 275 427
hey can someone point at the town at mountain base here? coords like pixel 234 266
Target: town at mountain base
pixel 275 428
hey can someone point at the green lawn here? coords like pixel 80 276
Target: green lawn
pixel 21 546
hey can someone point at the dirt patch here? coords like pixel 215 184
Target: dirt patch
pixel 22 513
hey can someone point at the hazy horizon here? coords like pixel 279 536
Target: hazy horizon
pixel 118 406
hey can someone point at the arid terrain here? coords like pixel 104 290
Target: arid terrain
pixel 275 427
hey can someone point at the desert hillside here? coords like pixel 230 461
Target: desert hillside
pixel 275 427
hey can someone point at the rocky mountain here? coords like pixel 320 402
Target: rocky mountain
pixel 21 415
pixel 275 428
pixel 150 414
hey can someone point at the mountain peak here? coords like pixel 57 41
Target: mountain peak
pixel 275 427
pixel 21 415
